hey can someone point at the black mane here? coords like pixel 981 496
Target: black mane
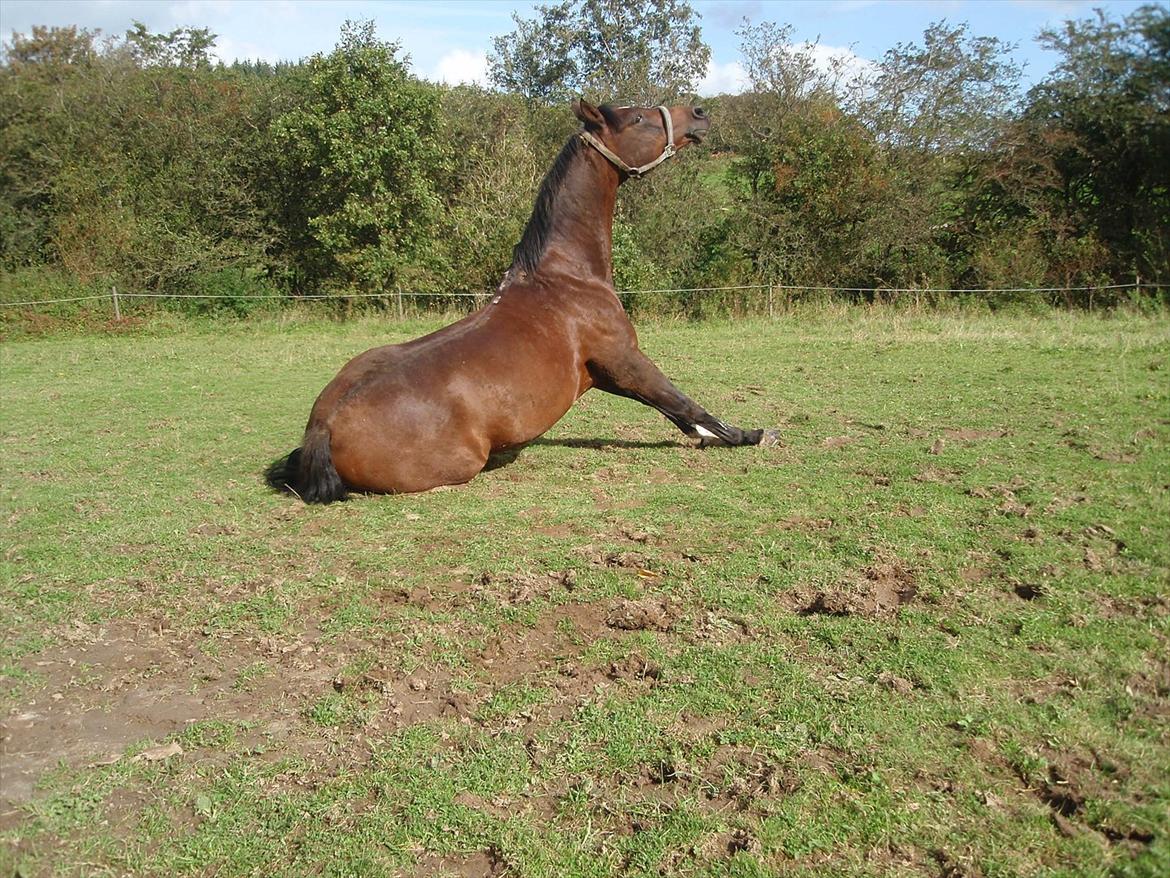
pixel 527 253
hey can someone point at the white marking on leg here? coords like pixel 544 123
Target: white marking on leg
pixel 704 432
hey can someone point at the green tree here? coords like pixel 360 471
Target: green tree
pixel 37 78
pixel 356 163
pixel 1109 97
pixel 950 94
pixel 637 51
pixel 490 186
pixel 934 108
pixel 810 180
pixel 140 175
pixel 184 47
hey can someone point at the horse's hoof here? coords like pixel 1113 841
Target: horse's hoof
pixel 770 439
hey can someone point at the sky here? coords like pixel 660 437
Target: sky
pixel 448 40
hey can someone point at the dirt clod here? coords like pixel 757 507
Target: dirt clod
pixel 881 590
pixel 895 683
pixel 648 614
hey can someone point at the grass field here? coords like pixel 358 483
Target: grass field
pixel 927 635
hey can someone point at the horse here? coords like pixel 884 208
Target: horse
pixel 429 412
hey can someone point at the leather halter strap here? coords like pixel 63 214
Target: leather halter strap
pixel 616 160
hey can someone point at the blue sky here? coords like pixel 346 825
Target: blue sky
pixel 449 39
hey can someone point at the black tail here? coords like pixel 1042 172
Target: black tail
pixel 308 471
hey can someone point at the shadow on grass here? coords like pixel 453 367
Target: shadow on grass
pixel 502 458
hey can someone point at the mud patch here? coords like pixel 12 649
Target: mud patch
pixel 481 864
pixel 935 475
pixel 106 688
pixel 1071 781
pixel 559 636
pixel 880 591
pixel 1010 503
pixel 647 614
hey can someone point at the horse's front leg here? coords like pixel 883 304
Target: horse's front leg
pixel 632 375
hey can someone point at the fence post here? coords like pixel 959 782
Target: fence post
pixel 398 295
pixel 117 308
pixel 771 316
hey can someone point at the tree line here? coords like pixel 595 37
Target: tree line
pixel 140 162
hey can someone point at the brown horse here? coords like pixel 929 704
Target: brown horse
pixel 429 412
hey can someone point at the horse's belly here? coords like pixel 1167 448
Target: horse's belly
pixel 525 415
pixel 398 436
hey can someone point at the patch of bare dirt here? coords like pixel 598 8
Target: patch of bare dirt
pixel 411 699
pixel 721 629
pixel 905 511
pixel 552 649
pixel 509 588
pixel 1074 778
pixel 647 614
pixel 894 683
pixel 1065 501
pixel 1045 689
pixel 956 865
pixel 1010 503
pixel 1114 455
pixel 107 687
pixel 1150 688
pixel 974 574
pixel 1151 607
pixel 935 475
pixel 881 590
pixel 826 760
pixel 559 636
pixel 481 864
pixel 876 478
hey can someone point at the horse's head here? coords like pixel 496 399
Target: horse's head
pixel 637 139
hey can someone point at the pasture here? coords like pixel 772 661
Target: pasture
pixel 926 635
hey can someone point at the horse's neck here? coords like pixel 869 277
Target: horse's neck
pixel 581 236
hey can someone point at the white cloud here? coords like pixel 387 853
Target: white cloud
pixel 729 78
pixel 199 11
pixel 228 50
pixel 833 62
pixel 460 65
pixel 839 62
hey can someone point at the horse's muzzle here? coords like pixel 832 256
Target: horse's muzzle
pixel 700 125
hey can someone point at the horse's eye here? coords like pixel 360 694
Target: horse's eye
pixel 637 118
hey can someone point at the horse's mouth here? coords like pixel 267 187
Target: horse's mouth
pixel 696 135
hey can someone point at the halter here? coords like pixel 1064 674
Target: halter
pixel 616 161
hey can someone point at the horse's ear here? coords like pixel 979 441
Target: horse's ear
pixel 588 113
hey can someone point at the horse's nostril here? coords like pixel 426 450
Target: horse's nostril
pixel 700 113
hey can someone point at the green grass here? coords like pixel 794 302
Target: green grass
pixel 850 655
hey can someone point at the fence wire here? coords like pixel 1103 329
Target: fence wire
pixel 116 296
